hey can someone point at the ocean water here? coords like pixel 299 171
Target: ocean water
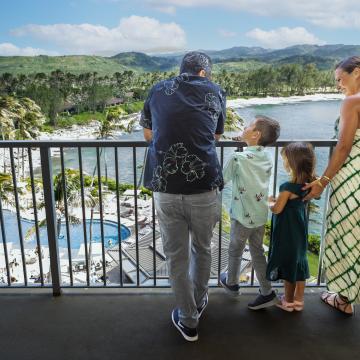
pixel 306 120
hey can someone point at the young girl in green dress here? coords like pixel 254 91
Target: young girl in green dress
pixel 289 227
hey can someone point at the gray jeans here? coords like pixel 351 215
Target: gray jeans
pixel 186 225
pixel 239 234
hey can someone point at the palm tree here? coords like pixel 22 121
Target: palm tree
pixel 27 125
pixel 107 126
pixel 73 186
pixel 10 112
pixel 73 200
pixel 20 119
pixel 6 126
pixel 6 189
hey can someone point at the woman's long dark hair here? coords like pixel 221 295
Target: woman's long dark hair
pixel 301 160
pixel 349 64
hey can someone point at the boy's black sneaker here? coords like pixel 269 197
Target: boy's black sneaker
pixel 232 290
pixel 262 301
pixel 189 334
pixel 202 307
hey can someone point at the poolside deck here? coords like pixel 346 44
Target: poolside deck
pixel 135 324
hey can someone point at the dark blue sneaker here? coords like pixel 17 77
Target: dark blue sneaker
pixel 262 301
pixel 189 334
pixel 202 307
pixel 232 290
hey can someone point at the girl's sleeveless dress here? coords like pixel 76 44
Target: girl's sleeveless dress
pixel 288 242
pixel 342 240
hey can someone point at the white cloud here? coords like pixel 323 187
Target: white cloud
pixel 8 49
pixel 325 13
pixel 283 37
pixel 226 33
pixel 171 10
pixel 134 33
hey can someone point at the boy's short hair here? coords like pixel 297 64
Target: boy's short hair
pixel 269 129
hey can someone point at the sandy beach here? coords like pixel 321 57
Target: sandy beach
pixel 270 100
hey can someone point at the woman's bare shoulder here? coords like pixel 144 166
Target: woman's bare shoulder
pixel 351 104
pixel 352 100
pixel 350 110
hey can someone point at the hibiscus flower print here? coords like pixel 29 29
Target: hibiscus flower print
pixel 170 86
pixel 170 165
pixel 173 158
pixel 193 168
pixel 159 181
pixel 177 151
pixel 212 105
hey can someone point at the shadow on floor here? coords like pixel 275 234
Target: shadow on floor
pixel 137 325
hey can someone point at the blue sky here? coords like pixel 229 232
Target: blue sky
pixel 107 27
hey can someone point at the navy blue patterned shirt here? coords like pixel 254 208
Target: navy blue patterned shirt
pixel 184 113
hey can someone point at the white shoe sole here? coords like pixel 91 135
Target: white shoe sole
pixel 188 338
pixel 231 293
pixel 273 302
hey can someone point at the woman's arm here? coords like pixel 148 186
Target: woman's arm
pixel 277 205
pixel 348 126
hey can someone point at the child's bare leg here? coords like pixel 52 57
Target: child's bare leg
pixel 289 291
pixel 299 291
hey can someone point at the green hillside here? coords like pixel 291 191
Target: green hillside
pixel 74 64
pixel 143 62
pixel 234 59
pixel 237 65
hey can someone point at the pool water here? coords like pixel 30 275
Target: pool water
pixel 76 233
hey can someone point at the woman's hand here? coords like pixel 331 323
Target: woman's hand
pixel 315 192
pixel 271 199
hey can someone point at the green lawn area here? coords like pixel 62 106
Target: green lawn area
pixel 313 264
pixel 83 118
pixel 86 117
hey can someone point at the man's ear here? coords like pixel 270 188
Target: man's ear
pixel 202 73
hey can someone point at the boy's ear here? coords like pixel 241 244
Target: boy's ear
pixel 257 134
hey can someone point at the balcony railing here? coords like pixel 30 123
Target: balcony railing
pixel 127 251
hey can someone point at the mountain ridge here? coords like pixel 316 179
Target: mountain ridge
pixel 240 57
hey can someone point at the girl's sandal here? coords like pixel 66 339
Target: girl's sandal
pixel 284 305
pixel 335 301
pixel 298 305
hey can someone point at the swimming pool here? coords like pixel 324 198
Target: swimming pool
pixel 76 233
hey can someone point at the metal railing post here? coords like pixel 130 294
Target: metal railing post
pixel 49 199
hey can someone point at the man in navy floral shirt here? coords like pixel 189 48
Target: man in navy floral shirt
pixel 182 118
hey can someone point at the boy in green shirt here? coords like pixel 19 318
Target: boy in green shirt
pixel 250 172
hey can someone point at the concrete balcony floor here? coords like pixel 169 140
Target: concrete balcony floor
pixel 136 324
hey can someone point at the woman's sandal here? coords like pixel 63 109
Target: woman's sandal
pixel 284 305
pixel 336 301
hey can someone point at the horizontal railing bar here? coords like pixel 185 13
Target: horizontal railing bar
pixel 134 286
pixel 117 143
